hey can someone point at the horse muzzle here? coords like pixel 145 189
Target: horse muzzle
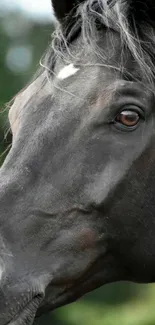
pixel 19 301
pixel 27 314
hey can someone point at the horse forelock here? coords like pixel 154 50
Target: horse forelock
pixel 113 15
pixel 98 16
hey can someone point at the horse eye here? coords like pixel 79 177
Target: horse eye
pixel 128 118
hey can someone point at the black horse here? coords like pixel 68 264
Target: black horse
pixel 77 200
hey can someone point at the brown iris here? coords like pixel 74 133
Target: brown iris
pixel 128 118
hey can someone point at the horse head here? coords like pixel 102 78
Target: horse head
pixel 77 203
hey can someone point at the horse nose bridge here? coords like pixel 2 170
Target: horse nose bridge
pixel 2 271
pixel 14 198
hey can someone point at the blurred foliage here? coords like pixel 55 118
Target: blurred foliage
pixel 16 35
pixel 115 304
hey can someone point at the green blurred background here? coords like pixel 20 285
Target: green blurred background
pixel 23 38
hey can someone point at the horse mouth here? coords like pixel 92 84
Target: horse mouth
pixel 27 314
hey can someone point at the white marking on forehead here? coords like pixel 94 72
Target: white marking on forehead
pixel 67 71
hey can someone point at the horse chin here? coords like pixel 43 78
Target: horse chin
pixel 66 296
pixel 60 295
pixel 56 297
pixel 99 274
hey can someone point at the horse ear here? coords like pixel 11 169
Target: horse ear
pixel 64 8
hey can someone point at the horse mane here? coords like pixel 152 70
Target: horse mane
pixel 136 35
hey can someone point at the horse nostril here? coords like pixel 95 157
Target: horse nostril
pixel 38 298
